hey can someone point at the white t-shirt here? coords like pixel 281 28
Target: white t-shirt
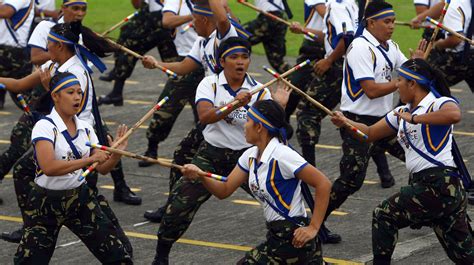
pixel 311 17
pixel 428 3
pixel 74 66
pixel 204 51
pixel 183 41
pixel 155 5
pixel 458 16
pixel 270 5
pixel 366 59
pixel 228 132
pixel 14 32
pixel 39 37
pixel 435 141
pixel 44 130
pixel 275 180
pixel 337 13
pixel 46 5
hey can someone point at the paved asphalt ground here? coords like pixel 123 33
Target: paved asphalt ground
pixel 223 230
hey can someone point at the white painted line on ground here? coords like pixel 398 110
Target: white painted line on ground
pixel 140 224
pixel 68 244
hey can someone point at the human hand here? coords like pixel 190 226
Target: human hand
pixel 322 66
pixel 302 235
pixel 149 62
pixel 338 119
pixel 191 171
pixel 45 76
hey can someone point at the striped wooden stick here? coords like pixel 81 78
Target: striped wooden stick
pixel 152 160
pixel 436 30
pixel 186 28
pixel 314 102
pixel 23 104
pixel 234 103
pixel 270 15
pixel 123 21
pixel 457 34
pixel 127 134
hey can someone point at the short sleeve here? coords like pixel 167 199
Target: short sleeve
pixel 290 163
pixel 454 18
pixel 17 4
pixel 439 102
pixel 39 37
pixel 312 3
pixel 205 90
pixel 421 2
pixel 43 131
pixel 171 6
pixel 264 94
pixel 392 120
pixel 243 161
pixel 47 65
pixel 360 60
pixel 196 51
pixel 92 135
pixel 339 15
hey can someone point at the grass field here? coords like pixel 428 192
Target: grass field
pixel 104 13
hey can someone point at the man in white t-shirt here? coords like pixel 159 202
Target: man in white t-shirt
pixel 16 17
pixel 142 33
pixel 367 95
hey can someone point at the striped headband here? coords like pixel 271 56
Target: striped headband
pixel 74 2
pixel 202 11
pixel 388 12
pixel 235 49
pixel 258 117
pixel 66 82
pixel 410 75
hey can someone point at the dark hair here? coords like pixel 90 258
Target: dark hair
pixel 375 6
pixel 275 114
pixel 203 3
pixel 95 43
pixel 423 68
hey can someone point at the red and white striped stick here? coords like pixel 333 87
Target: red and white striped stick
pixel 314 102
pixel 457 34
pixel 23 104
pixel 186 28
pixel 123 21
pixel 234 103
pixel 127 134
pixel 436 30
pixel 158 161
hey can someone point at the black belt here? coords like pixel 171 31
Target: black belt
pixel 59 193
pixel 275 225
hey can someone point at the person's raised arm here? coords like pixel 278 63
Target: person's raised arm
pixel 219 189
pixel 21 85
pixel 39 56
pixel 220 15
pixel 183 67
pixel 108 165
pixel 207 111
pixel 171 20
pixel 448 114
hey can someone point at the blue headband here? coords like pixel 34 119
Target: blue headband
pixel 387 12
pixel 258 117
pixel 235 49
pixel 74 2
pixel 410 75
pixel 66 82
pixel 202 11
pixel 80 52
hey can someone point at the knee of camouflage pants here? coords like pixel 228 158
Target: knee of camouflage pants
pixel 23 179
pixel 384 231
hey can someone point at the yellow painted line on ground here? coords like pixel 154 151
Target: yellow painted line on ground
pixel 5 113
pixel 456 90
pixel 111 187
pixel 255 74
pixel 9 176
pixel 325 146
pixel 109 61
pixel 138 102
pixel 463 133
pixel 470 111
pixel 4 142
pixel 131 82
pixel 110 122
pixel 370 182
pixel 195 242
pixel 161 84
pixel 255 203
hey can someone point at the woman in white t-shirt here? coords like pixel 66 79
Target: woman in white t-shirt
pixel 274 173
pixel 435 195
pixel 60 196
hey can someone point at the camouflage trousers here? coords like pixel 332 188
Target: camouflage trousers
pixel 272 35
pixel 453 66
pixel 434 198
pixel 14 63
pixel 47 211
pixel 278 249
pixel 310 50
pixel 355 159
pixel 188 195
pixel 144 32
pixel 180 92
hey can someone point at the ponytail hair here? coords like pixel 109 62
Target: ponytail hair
pixel 436 77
